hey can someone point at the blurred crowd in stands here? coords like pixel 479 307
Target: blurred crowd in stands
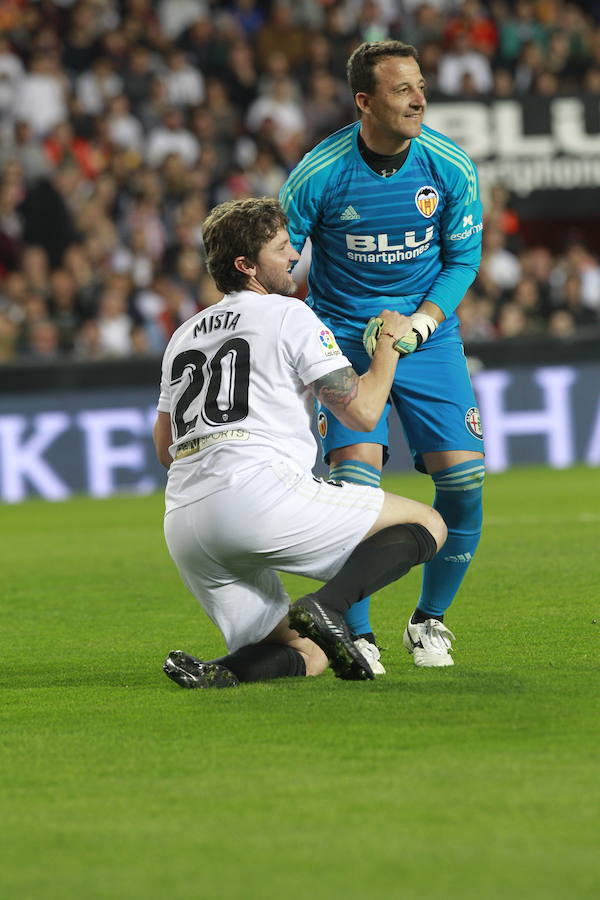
pixel 123 123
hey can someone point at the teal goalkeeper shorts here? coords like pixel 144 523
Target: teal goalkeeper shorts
pixel 432 393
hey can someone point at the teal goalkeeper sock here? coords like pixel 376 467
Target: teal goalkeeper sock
pixel 458 499
pixel 357 617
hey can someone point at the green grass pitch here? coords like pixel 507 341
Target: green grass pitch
pixel 480 781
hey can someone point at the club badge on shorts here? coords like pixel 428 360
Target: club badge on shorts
pixel 473 422
pixel 328 342
pixel 427 199
pixel 322 424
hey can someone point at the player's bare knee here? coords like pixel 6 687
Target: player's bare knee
pixel 398 510
pixel 315 660
pixel 367 453
pixel 436 527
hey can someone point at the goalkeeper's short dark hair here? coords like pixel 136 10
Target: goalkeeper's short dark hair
pixel 239 228
pixel 361 65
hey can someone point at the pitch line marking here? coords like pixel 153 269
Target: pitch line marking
pixel 584 518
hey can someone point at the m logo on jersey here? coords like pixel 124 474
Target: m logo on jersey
pixel 427 199
pixel 473 422
pixel 328 342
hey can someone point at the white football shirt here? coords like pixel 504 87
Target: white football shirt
pixel 234 380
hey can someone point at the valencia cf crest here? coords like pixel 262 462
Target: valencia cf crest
pixel 427 200
pixel 322 424
pixel 473 422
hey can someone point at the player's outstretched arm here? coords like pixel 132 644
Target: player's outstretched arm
pixel 358 400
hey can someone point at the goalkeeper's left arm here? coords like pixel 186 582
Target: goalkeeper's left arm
pixel 423 323
pixel 425 320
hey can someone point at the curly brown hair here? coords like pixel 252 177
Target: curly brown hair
pixel 239 228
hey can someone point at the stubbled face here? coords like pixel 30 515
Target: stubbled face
pixel 395 110
pixel 274 264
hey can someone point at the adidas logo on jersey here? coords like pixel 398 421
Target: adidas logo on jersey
pixel 348 214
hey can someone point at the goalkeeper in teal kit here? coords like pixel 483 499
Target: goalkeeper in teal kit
pixel 394 215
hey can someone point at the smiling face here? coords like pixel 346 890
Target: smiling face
pixel 274 263
pixel 393 113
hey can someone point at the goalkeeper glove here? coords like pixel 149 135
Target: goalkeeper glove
pixel 423 327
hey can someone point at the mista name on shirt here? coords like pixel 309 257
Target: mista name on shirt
pixel 227 321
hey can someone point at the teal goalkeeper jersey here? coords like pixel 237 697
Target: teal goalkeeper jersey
pixel 382 242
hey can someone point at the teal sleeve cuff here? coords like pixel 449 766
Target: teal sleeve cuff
pixel 450 287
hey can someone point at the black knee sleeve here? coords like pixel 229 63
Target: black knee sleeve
pixel 384 557
pixel 426 545
pixel 260 662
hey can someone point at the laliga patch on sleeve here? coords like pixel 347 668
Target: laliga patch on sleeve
pixel 328 343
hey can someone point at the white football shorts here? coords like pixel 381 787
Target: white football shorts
pixel 228 545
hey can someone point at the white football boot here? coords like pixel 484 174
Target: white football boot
pixel 371 654
pixel 429 642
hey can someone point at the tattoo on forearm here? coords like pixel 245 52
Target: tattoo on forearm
pixel 339 388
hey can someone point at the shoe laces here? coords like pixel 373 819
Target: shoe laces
pixel 436 635
pixel 368 650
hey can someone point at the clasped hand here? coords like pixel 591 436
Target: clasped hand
pixel 394 325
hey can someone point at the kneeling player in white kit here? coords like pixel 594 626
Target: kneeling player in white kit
pixel 238 385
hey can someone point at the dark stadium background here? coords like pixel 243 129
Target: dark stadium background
pixel 123 123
